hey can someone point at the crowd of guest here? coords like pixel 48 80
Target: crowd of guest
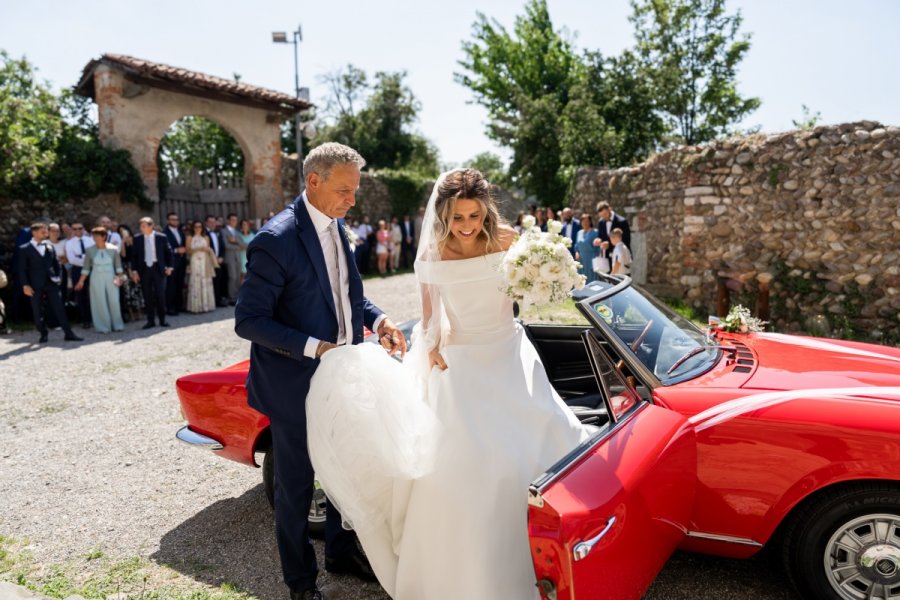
pixel 104 275
pixel 393 241
pixel 601 245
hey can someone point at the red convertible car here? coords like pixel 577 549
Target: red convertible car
pixel 703 440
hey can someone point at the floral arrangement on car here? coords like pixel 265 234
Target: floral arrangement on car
pixel 739 320
pixel 538 268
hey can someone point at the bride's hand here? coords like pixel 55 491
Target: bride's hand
pixel 435 358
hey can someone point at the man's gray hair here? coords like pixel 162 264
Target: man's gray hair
pixel 325 157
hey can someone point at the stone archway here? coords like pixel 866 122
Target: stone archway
pixel 137 101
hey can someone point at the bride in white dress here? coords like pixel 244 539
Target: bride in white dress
pixel 431 460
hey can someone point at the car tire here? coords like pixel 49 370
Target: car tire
pixel 317 508
pixel 848 536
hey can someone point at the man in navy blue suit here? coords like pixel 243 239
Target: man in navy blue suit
pixel 608 221
pixel 302 297
pixel 40 273
pixel 151 264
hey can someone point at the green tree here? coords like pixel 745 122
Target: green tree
pixel 523 79
pixel 49 145
pixel 690 51
pixel 201 144
pixel 377 120
pixel 625 100
pixel 30 122
pixel 491 166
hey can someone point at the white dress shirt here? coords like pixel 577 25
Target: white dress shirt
pixel 39 246
pixel 177 235
pixel 113 239
pixel 75 250
pixel 149 249
pixel 214 240
pixel 338 277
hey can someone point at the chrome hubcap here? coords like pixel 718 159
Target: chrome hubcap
pixel 862 558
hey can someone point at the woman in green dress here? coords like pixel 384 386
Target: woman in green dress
pixel 104 266
pixel 245 236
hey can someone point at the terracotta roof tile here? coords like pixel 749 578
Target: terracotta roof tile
pixel 178 75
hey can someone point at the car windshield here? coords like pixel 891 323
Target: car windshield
pixel 669 345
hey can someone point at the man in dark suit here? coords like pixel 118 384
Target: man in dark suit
pixel 175 281
pixel 151 263
pixel 608 221
pixel 570 227
pixel 220 278
pixel 303 296
pixel 40 274
pixel 408 246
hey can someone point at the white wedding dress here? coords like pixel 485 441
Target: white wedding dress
pixel 434 479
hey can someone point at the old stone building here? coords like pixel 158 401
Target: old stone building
pixel 138 100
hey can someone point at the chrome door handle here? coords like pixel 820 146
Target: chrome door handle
pixel 582 549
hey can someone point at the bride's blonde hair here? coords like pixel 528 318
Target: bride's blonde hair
pixel 466 184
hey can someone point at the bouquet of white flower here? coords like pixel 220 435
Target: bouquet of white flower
pixel 539 269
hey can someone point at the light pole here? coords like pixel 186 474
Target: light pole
pixel 280 37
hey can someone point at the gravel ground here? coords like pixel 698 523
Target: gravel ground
pixel 88 461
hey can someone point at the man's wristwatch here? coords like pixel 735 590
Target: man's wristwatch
pixel 320 348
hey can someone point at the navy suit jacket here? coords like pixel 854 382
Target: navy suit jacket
pixel 617 222
pixel 163 253
pixel 35 270
pixel 286 298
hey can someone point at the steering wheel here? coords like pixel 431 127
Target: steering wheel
pixel 637 341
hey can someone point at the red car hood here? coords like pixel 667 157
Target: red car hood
pixel 791 362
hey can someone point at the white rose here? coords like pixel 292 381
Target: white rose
pixel 554 226
pixel 530 271
pixel 551 271
pixel 528 222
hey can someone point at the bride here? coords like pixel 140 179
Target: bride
pixel 431 460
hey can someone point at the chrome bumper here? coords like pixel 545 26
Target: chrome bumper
pixel 188 436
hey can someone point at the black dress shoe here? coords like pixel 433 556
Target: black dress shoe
pixel 71 337
pixel 313 594
pixel 149 326
pixel 43 339
pixel 354 563
pixel 163 324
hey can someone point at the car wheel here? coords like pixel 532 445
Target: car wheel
pixel 845 545
pixel 316 509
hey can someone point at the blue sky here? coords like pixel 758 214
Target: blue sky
pixel 840 58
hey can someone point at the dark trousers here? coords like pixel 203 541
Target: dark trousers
pixel 407 254
pixel 82 298
pixel 220 283
pixel 175 286
pixel 54 304
pixel 153 284
pixel 294 488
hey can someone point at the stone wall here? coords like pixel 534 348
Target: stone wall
pixel 814 215
pixel 15 214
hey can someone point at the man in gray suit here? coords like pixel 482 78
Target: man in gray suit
pixel 232 256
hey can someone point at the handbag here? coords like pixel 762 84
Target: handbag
pixel 600 264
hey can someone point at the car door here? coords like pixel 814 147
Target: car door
pixel 604 520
